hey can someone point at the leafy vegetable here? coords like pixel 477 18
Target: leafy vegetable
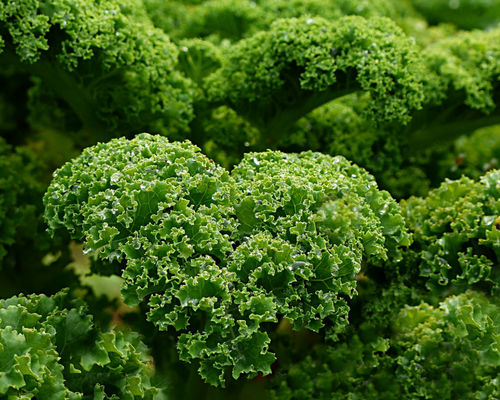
pixel 50 349
pixel 460 83
pixel 313 214
pixel 303 63
pixel 455 231
pixel 219 256
pixel 445 352
pixel 105 60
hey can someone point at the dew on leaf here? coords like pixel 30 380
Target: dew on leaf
pixel 116 177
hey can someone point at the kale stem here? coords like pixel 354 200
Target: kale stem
pixel 65 85
pixel 285 117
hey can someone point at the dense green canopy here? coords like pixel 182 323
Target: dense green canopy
pixel 313 213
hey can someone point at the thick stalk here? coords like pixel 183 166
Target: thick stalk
pixel 282 107
pixel 449 120
pixel 64 84
pixel 77 97
pixel 274 129
pixel 435 126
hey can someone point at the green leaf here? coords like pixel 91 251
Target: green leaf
pixel 250 355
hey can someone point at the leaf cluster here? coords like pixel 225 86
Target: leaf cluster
pixel 49 349
pixel 455 229
pixel 218 255
pixel 251 254
pixel 103 59
pixel 448 351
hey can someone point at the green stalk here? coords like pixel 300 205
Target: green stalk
pixel 437 125
pixel 65 85
pixel 274 129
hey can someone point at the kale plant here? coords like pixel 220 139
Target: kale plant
pixel 219 256
pixel 269 199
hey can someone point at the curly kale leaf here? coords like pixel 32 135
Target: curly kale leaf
pixel 339 128
pixel 105 59
pixel 447 352
pixel 219 257
pixel 450 351
pixel 457 240
pixel 276 77
pixel 339 198
pixel 49 349
pixel 461 87
pixel 166 209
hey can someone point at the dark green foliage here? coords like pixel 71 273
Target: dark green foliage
pixel 49 349
pixel 41 268
pixel 465 14
pixel 168 15
pixel 257 257
pixel 13 107
pixel 105 60
pixel 444 352
pixel 456 234
pixel 18 189
pixel 227 136
pixel 198 59
pixel 330 10
pixel 473 155
pixel 224 19
pixel 230 20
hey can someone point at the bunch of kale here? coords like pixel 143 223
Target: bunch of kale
pixel 235 237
